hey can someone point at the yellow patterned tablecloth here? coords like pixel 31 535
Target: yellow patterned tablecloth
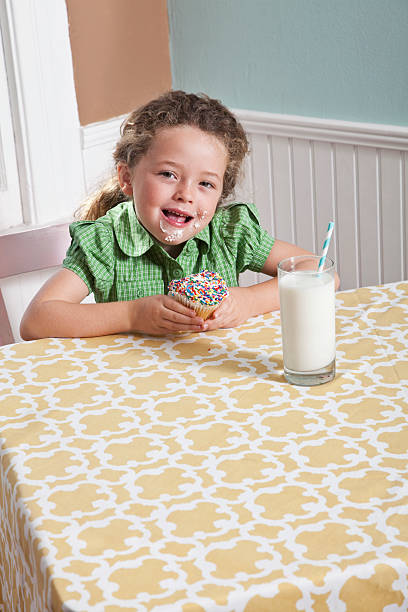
pixel 184 474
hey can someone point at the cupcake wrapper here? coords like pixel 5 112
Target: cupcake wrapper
pixel 203 311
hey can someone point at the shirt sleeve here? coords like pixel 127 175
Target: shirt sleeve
pixel 243 235
pixel 90 255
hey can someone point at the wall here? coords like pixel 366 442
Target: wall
pixel 120 53
pixel 320 58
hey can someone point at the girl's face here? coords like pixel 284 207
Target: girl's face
pixel 176 186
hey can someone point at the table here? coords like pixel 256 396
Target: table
pixel 184 474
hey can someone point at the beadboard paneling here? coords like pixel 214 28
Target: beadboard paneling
pixel 354 174
pixel 304 172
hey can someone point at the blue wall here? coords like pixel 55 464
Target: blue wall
pixel 337 59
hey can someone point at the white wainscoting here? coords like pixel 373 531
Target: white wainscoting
pixel 304 172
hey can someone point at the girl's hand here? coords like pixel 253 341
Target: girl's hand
pixel 234 310
pixel 161 314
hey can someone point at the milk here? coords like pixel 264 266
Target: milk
pixel 307 302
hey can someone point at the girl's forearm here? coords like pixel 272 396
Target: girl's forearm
pixel 60 319
pixel 263 297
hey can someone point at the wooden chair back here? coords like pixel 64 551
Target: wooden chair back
pixel 28 251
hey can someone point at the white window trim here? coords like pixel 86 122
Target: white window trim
pixel 43 100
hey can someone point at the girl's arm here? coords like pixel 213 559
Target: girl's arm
pixel 246 302
pixel 56 311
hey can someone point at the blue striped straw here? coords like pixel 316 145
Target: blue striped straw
pixel 326 246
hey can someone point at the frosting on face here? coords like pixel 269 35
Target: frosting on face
pixel 199 219
pixel 172 234
pixel 183 234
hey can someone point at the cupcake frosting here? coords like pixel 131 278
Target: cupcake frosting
pixel 207 288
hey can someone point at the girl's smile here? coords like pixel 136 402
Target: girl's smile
pixel 177 185
pixel 176 217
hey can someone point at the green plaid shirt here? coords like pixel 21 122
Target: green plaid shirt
pixel 119 260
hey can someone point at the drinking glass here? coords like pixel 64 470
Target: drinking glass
pixel 307 308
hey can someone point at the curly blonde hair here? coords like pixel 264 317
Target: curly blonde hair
pixel 171 109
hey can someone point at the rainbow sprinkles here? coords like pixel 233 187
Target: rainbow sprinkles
pixel 203 291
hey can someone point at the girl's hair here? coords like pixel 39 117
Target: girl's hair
pixel 171 109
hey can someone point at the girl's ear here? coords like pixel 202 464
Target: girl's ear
pixel 124 178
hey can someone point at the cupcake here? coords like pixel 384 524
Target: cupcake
pixel 203 292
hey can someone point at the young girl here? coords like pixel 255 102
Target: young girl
pixel 160 218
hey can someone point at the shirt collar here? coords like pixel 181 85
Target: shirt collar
pixel 131 236
pixel 204 236
pixel 133 239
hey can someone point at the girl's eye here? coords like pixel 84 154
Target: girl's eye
pixel 207 184
pixel 167 174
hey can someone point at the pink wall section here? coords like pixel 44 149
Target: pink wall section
pixel 120 54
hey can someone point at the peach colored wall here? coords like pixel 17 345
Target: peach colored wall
pixel 120 54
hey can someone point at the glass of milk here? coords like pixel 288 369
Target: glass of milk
pixel 307 307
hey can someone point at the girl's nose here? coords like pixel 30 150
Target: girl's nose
pixel 184 192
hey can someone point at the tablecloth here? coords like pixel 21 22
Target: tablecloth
pixel 185 474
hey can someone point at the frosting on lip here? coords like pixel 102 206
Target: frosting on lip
pixel 178 225
pixel 171 235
